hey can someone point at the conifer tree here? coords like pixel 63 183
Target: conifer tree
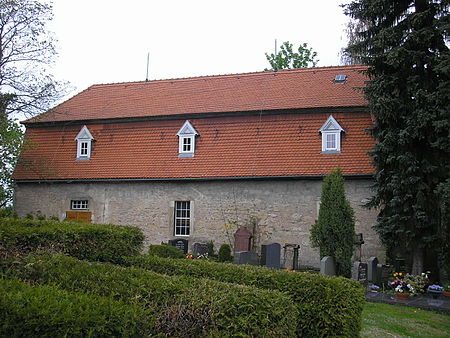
pixel 334 230
pixel 405 45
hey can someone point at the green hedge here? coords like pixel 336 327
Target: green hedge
pixel 44 311
pixel 183 305
pixel 165 250
pixel 95 242
pixel 328 306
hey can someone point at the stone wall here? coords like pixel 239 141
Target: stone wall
pixel 281 211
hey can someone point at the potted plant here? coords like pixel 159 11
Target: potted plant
pixel 402 289
pixel 446 292
pixel 435 290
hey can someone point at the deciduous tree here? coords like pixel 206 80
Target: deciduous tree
pixel 287 58
pixel 405 45
pixel 26 87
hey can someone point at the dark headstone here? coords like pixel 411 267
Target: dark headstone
pixel 242 240
pixel 200 249
pixel 181 244
pixel 384 272
pixel 246 257
pixel 327 266
pixel 359 272
pixel 400 265
pixel 271 255
pixel 372 272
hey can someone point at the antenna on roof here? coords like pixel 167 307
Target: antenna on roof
pixel 148 58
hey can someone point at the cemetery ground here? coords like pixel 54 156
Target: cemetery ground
pixel 386 320
pixel 103 285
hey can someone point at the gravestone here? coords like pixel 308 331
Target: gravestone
pixel 327 266
pixel 384 272
pixel 372 273
pixel 271 255
pixel 181 244
pixel 359 272
pixel 400 265
pixel 200 249
pixel 242 239
pixel 246 257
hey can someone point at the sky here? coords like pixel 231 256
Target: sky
pixel 107 41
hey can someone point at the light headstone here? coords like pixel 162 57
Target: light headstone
pixel 327 266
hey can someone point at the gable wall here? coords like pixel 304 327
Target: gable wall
pixel 285 209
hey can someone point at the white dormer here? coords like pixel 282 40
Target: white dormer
pixel 84 144
pixel 186 140
pixel 331 136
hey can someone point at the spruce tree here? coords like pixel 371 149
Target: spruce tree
pixel 405 45
pixel 334 230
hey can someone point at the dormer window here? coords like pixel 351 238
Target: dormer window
pixel 331 136
pixel 186 140
pixel 84 144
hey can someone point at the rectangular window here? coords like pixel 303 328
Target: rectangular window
pixel 331 142
pixel 79 204
pixel 182 218
pixel 187 144
pixel 83 148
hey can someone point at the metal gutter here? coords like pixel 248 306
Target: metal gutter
pixel 192 179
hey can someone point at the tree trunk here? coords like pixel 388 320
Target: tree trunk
pixel 417 264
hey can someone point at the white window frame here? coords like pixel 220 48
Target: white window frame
pixel 182 222
pixel 186 132
pixel 331 128
pixel 79 204
pixel 84 137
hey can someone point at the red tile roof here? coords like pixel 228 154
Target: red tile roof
pixel 284 89
pixel 279 144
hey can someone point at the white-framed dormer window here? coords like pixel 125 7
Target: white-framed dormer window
pixel 331 136
pixel 186 140
pixel 84 144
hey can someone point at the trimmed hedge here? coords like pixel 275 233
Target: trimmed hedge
pixel 327 306
pixel 95 242
pixel 44 311
pixel 165 251
pixel 183 306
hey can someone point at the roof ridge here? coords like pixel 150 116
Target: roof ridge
pixel 247 74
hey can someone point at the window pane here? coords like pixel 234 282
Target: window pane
pixel 182 218
pixel 331 141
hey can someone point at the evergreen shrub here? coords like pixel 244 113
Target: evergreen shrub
pixel 225 253
pixel 45 311
pixel 327 306
pixel 165 251
pixel 94 242
pixel 182 305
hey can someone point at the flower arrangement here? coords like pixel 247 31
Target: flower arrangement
pixel 374 288
pixel 435 288
pixel 400 286
pixel 418 282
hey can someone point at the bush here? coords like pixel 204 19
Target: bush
pixel 334 231
pixel 327 306
pixel 39 311
pixel 225 253
pixel 165 251
pixel 183 306
pixel 95 242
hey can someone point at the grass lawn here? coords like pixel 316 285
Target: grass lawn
pixel 384 320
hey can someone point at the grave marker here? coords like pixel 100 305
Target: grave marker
pixel 271 255
pixel 327 266
pixel 181 244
